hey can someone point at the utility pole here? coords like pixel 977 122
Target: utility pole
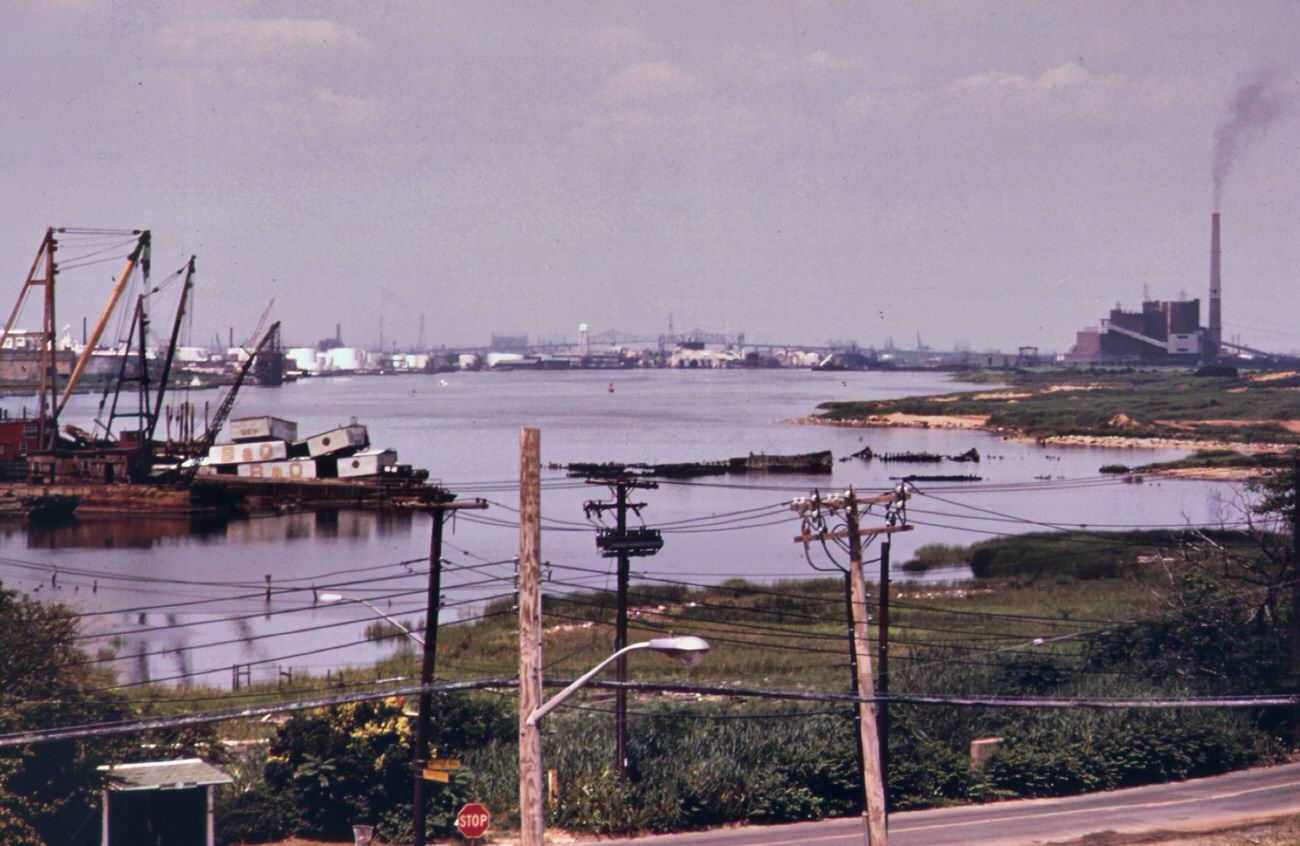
pixel 1295 584
pixel 532 820
pixel 622 544
pixel 433 603
pixel 882 660
pixel 1295 566
pixel 814 511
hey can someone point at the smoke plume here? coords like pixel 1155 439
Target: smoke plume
pixel 1251 111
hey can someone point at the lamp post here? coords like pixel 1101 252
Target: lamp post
pixel 398 624
pixel 688 649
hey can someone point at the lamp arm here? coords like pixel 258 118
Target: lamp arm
pixel 412 635
pixel 550 704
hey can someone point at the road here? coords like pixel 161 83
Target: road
pixel 1197 805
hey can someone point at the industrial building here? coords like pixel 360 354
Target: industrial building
pixel 1162 332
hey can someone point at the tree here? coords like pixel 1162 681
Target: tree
pixel 49 793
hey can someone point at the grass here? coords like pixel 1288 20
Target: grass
pixel 1223 458
pixel 1141 404
pixel 789 634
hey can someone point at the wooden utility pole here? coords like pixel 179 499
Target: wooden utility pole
pixel 882 664
pixel 532 820
pixel 433 603
pixel 1295 564
pixel 869 738
pixel 874 788
pixel 620 641
pixel 623 544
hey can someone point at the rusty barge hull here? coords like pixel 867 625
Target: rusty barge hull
pixel 263 495
pixel 106 499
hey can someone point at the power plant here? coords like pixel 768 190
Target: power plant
pixel 1163 332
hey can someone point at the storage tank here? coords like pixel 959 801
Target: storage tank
pixel 347 358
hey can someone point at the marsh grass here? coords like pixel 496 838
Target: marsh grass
pixel 1164 403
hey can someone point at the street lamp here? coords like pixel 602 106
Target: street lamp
pixel 688 649
pixel 339 597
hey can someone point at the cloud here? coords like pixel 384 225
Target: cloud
pixel 233 37
pixel 648 81
pixel 858 105
pixel 615 39
pixel 1068 75
pixel 829 61
pixel 346 109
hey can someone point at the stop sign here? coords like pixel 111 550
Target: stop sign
pixel 472 820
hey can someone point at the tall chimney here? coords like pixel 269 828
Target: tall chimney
pixel 1216 290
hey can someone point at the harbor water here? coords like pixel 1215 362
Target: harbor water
pixel 206 603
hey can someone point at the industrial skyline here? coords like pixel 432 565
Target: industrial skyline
pixel 987 175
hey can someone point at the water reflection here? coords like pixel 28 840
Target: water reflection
pixel 119 532
pixel 143 532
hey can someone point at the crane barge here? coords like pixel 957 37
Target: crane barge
pixel 45 472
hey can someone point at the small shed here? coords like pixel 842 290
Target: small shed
pixel 160 803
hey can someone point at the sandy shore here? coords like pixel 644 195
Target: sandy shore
pixel 899 420
pixel 978 421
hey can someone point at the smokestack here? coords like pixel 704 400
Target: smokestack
pixel 1216 290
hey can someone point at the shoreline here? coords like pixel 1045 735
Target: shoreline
pixel 974 422
pixel 899 420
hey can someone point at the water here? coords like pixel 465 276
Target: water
pixel 179 601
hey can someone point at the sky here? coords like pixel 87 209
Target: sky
pixel 982 175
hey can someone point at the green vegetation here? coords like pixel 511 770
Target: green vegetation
pixel 1070 616
pixel 1137 404
pixel 1222 458
pixel 933 556
pixel 49 793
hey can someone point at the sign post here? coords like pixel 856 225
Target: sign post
pixel 472 820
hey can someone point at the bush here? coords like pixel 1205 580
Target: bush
pixel 350 763
pixel 255 815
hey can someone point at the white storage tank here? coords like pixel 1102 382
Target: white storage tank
pixel 347 358
pixel 305 359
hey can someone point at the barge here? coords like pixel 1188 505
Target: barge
pixel 809 463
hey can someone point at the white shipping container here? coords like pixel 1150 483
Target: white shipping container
pixel 345 437
pixel 262 429
pixel 368 463
pixel 247 453
pixel 294 468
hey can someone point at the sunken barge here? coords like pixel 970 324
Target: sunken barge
pixel 810 463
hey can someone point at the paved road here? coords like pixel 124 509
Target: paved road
pixel 1196 805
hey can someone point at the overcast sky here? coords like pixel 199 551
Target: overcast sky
pixel 988 175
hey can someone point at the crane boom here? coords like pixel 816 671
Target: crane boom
pixel 223 410
pixel 140 255
pixel 171 348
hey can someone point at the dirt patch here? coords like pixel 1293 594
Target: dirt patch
pixel 1274 376
pixel 1056 389
pixel 1128 442
pixel 1212 474
pixel 1289 425
pixel 1284 832
pixel 1002 395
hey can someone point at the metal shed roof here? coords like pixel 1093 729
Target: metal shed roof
pixel 164 775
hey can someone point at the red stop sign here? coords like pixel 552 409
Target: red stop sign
pixel 472 820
